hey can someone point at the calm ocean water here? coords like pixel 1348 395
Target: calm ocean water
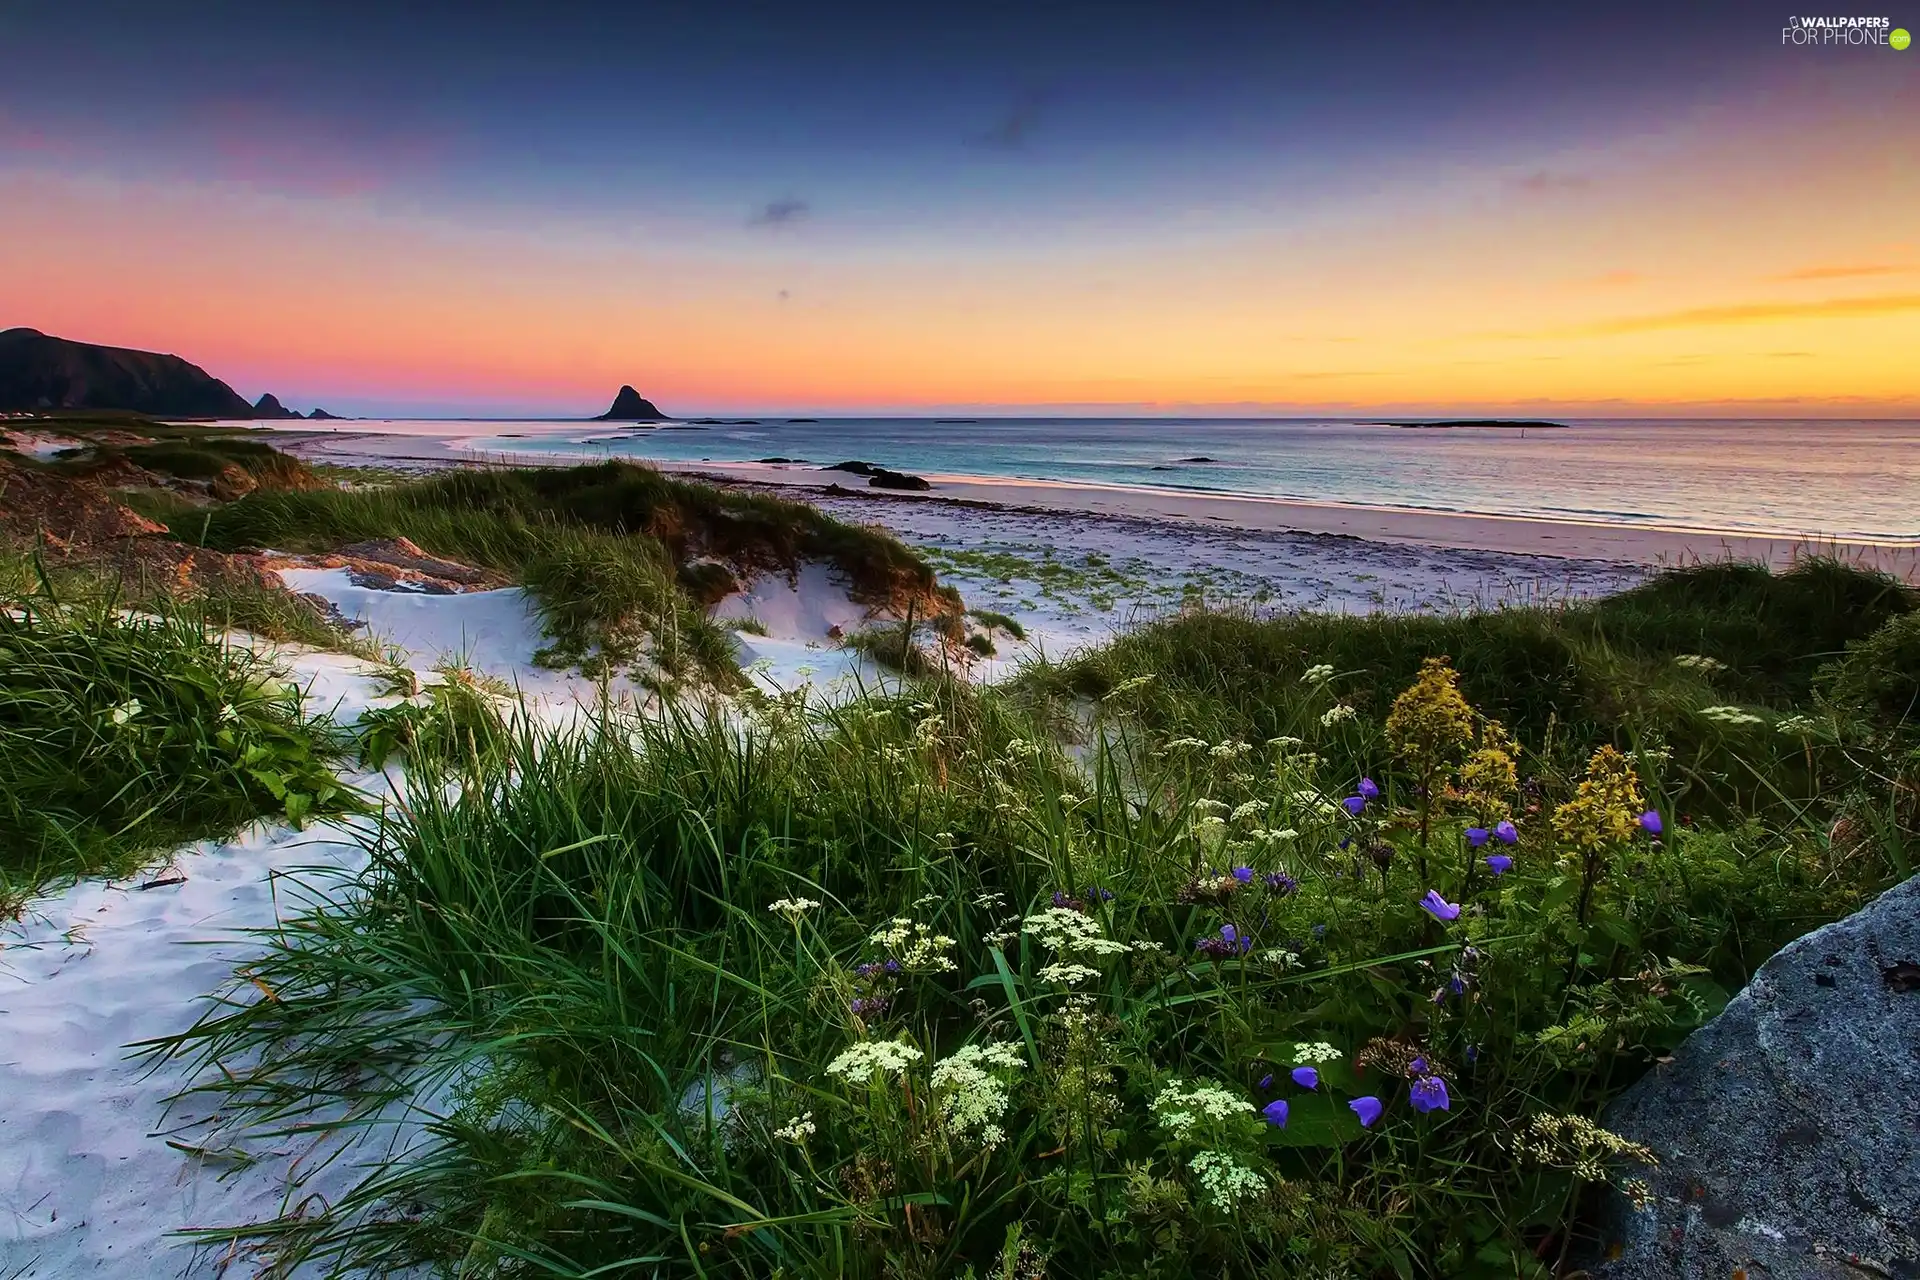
pixel 1840 479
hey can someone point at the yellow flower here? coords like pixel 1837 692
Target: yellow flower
pixel 1605 807
pixel 1431 725
pixel 1490 777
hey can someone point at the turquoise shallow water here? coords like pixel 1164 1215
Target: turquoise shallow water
pixel 1837 479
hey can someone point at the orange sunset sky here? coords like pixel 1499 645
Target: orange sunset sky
pixel 1731 230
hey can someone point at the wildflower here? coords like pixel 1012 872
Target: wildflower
pixel 1128 686
pixel 1318 673
pixel 1369 788
pixel 1317 1051
pixel 1429 1093
pixel 124 712
pixel 1093 893
pixel 1730 715
pixel 1279 957
pixel 860 1061
pixel 972 1096
pixel 1067 974
pixel 1367 1108
pixel 792 908
pixel 870 1006
pixel 1430 723
pixel 1489 778
pixel 1473 1053
pixel 1651 824
pixel 1438 907
pixel 1266 1082
pixel 1231 749
pixel 917 946
pixel 1306 1077
pixel 1276 1113
pixel 1506 832
pixel 1476 836
pixel 1354 805
pixel 1070 933
pixel 1499 863
pixel 1604 807
pixel 1280 882
pixel 1339 713
pixel 797 1130
pixel 1419 1065
pixel 1797 726
pixel 1230 942
pixel 1243 874
pixel 1223 1180
pixel 1699 662
pixel 1180 1106
pixel 1248 811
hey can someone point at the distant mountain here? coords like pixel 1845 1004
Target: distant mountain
pixel 269 406
pixel 629 407
pixel 42 372
pixel 319 414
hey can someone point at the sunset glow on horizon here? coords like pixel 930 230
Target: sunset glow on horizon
pixel 1507 220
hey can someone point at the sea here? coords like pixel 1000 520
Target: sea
pixel 1844 480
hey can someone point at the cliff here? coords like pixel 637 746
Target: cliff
pixel 629 407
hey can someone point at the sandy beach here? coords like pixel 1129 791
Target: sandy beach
pixel 1593 541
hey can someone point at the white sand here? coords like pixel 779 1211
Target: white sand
pixel 87 1185
pixel 800 614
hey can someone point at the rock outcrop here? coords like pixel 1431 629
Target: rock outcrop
pixel 40 372
pixel 1788 1128
pixel 629 407
pixel 321 415
pixel 269 406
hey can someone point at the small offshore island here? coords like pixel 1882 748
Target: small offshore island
pixel 1503 424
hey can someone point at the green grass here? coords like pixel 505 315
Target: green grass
pixel 578 943
pixel 122 736
pixel 622 560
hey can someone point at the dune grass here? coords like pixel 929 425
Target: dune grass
pixel 622 560
pixel 122 735
pixel 1246 987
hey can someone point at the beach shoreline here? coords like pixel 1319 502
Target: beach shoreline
pixel 1645 545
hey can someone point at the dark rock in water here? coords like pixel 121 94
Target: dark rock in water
pixel 881 478
pixel 1787 1128
pixel 629 407
pixel 782 459
pixel 1201 458
pixel 42 372
pixel 321 415
pixel 803 419
pixel 854 467
pixel 269 406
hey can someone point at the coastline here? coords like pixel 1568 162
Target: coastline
pixel 1646 545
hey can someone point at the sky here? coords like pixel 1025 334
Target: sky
pixel 492 209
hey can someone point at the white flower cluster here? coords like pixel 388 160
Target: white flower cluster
pixel 972 1097
pixel 1339 713
pixel 1223 1180
pixel 1067 974
pixel 1066 931
pixel 124 712
pixel 861 1060
pixel 1249 810
pixel 797 1130
pixel 1281 836
pixel 1797 726
pixel 1185 744
pixel 1021 749
pixel 1211 806
pixel 1285 741
pixel 1179 1106
pixel 1317 1051
pixel 1318 673
pixel 1279 957
pixel 916 946
pixel 793 908
pixel 1128 686
pixel 1699 662
pixel 1231 749
pixel 1315 803
pixel 1730 715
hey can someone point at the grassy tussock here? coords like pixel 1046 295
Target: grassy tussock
pixel 614 553
pixel 123 735
pixel 901 989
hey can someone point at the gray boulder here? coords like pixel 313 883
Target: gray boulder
pixel 1788 1128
